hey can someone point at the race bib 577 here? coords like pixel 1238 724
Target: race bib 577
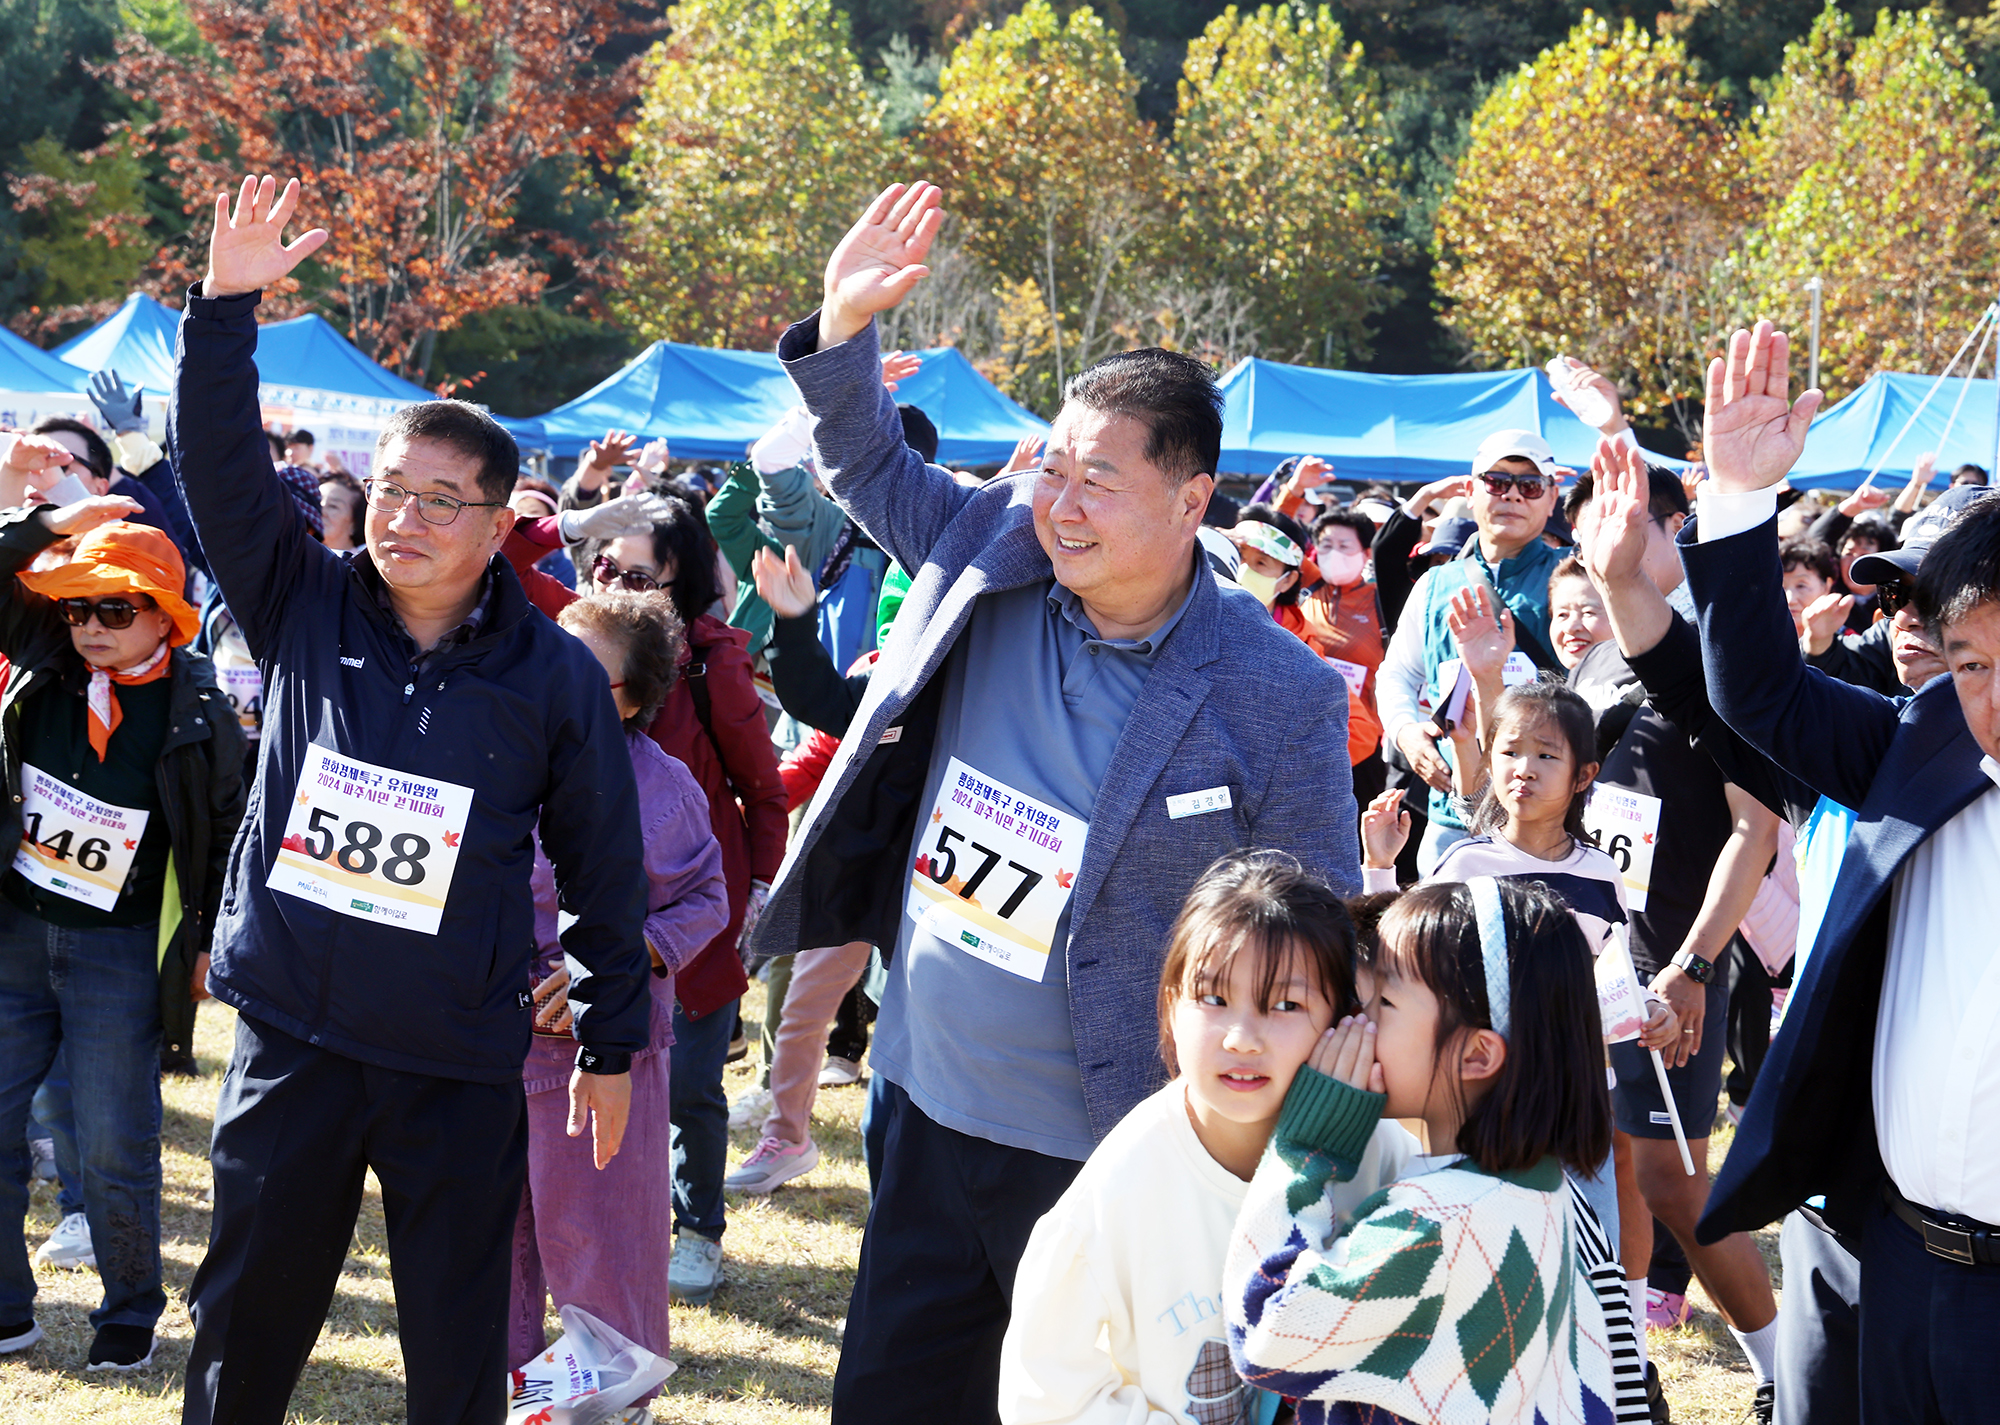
pixel 372 842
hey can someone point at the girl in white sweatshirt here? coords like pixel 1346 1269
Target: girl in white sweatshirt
pixel 1118 1307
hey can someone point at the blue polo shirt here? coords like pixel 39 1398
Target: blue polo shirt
pixel 1033 699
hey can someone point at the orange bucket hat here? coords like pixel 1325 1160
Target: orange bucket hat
pixel 124 558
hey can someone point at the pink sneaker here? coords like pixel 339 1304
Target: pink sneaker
pixel 1665 1309
pixel 774 1162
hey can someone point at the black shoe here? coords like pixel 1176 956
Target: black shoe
pixel 1656 1399
pixel 180 1063
pixel 121 1348
pixel 739 1048
pixel 19 1336
pixel 1762 1404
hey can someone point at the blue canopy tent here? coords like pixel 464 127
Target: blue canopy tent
pixel 136 341
pixel 1862 431
pixel 34 384
pixel 1390 428
pixel 710 404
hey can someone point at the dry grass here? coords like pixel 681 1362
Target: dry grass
pixel 763 1352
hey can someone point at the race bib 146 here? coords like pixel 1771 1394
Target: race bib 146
pixel 994 871
pixel 73 844
pixel 372 842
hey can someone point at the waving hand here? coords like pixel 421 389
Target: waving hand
pixel 1754 432
pixel 247 250
pixel 879 260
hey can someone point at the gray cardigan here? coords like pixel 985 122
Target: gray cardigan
pixel 1233 701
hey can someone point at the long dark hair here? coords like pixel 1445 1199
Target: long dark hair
pixel 1542 702
pixel 1549 1097
pixel 1267 903
pixel 681 536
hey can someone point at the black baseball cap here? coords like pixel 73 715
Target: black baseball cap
pixel 1925 528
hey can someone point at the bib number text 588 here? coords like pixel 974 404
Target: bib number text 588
pixel 404 866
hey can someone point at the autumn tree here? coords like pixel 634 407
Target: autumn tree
pixel 1055 178
pixel 758 144
pixel 1881 165
pixel 1595 212
pixel 413 125
pixel 1283 179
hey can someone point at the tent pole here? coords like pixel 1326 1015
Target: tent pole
pixel 1984 317
pixel 1971 374
pixel 1813 286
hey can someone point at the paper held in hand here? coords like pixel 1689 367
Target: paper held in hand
pixel 1622 1003
pixel 372 842
pixel 1454 681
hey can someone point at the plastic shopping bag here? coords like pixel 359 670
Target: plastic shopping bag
pixel 590 1374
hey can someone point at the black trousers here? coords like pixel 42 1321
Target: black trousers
pixel 1750 986
pixel 935 1284
pixel 1819 1328
pixel 849 1036
pixel 1927 1333
pixel 295 1130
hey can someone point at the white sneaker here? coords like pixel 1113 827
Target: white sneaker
pixel 69 1245
pixel 695 1269
pixel 839 1073
pixel 751 1107
pixel 775 1162
pixel 42 1151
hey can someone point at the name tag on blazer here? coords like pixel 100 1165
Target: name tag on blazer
pixel 1198 803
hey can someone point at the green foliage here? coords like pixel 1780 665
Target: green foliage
pixel 533 357
pixel 909 89
pixel 79 240
pixel 1593 214
pixel 757 144
pixel 1880 157
pixel 1284 178
pixel 1058 180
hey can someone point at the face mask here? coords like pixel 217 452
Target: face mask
pixel 1342 569
pixel 1262 585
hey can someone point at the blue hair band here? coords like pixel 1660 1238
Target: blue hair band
pixel 1493 950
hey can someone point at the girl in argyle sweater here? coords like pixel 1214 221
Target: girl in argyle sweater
pixel 1454 1295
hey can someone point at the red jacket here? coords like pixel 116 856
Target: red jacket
pixel 733 761
pixel 804 767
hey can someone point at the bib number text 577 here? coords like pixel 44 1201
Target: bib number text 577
pixel 944 865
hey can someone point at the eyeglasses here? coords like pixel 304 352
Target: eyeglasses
pixel 1892 595
pixel 114 614
pixel 1498 482
pixel 389 497
pixel 605 571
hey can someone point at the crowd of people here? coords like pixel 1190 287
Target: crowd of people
pixel 1299 947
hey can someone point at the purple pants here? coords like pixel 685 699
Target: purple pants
pixel 596 1240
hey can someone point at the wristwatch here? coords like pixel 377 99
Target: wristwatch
pixel 1693 966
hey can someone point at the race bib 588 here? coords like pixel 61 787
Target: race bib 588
pixel 372 842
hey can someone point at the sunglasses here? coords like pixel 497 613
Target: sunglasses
pixel 114 614
pixel 1894 596
pixel 1499 481
pixel 606 571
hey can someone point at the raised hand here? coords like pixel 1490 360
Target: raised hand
pixel 1310 473
pixel 613 449
pixel 653 459
pixel 1864 499
pixel 247 251
pixel 1821 620
pixel 1027 456
pixel 1483 629
pixel 1385 830
pixel 785 584
pixel 1621 508
pixel 879 260
pixel 32 454
pixel 118 405
pixel 88 513
pixel 1753 432
pixel 898 367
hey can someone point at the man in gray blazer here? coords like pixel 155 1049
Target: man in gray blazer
pixel 1071 720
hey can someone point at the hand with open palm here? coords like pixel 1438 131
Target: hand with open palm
pixel 247 251
pixel 879 260
pixel 1753 433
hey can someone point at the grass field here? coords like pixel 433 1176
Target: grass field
pixel 763 1351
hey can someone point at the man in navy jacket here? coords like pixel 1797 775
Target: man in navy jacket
pixel 1877 1093
pixel 421 721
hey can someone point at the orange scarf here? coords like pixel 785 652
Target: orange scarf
pixel 105 714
